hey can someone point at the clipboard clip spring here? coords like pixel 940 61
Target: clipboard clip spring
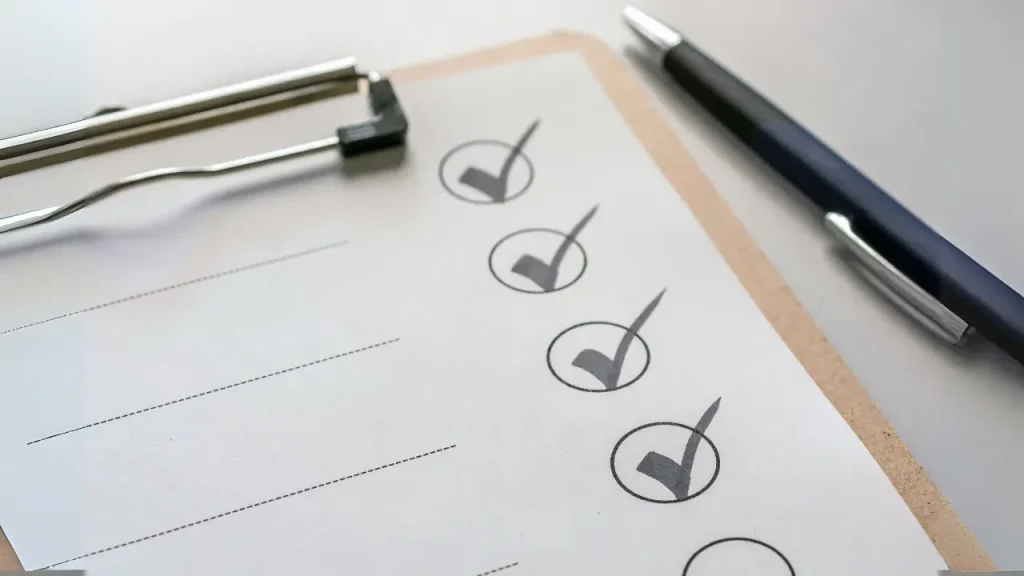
pixel 387 129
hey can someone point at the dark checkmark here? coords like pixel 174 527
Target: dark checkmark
pixel 545 274
pixel 605 369
pixel 496 187
pixel 676 477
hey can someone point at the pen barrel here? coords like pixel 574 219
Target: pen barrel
pixel 819 173
pixel 778 139
pixel 921 254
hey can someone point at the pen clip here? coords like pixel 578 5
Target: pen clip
pixel 947 324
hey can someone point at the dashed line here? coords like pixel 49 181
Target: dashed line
pixel 181 285
pixel 215 390
pixel 237 510
pixel 505 567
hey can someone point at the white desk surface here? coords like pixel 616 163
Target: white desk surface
pixel 922 95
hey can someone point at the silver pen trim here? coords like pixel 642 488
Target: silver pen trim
pixel 658 36
pixel 943 320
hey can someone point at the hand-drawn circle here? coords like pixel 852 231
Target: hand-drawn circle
pixel 739 539
pixel 485 142
pixel 575 243
pixel 551 366
pixel 703 437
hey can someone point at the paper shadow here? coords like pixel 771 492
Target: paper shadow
pixel 350 169
pixel 231 196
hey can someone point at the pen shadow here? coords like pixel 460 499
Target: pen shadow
pixel 978 352
pixel 974 353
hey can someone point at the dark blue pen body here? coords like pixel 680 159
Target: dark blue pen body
pixel 960 283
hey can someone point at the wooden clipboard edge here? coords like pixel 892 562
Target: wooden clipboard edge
pixel 954 541
pixel 8 559
pixel 951 537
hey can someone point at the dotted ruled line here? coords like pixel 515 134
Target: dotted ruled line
pixel 182 285
pixel 237 510
pixel 215 390
pixel 505 567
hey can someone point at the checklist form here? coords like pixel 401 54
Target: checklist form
pixel 509 348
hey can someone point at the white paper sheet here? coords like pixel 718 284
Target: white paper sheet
pixel 306 370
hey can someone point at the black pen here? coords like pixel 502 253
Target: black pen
pixel 947 289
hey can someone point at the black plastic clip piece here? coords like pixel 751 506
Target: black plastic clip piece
pixel 386 130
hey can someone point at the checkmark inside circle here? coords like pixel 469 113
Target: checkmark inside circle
pixel 676 475
pixel 608 370
pixel 545 274
pixel 496 187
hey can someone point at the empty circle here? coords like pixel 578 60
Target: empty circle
pixel 524 261
pixel 569 352
pixel 650 463
pixel 738 556
pixel 486 159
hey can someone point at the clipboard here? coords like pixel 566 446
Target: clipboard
pixel 956 544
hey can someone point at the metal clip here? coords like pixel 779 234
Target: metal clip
pixel 943 320
pixel 387 129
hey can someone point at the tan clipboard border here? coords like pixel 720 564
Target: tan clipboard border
pixel 954 541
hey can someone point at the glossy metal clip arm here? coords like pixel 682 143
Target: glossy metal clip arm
pixel 385 130
pixel 342 72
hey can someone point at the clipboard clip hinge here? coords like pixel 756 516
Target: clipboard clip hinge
pixel 387 129
pixel 914 299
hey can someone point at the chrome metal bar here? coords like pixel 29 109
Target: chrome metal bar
pixel 18 221
pixel 951 326
pixel 342 71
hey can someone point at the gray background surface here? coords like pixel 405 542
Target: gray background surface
pixel 922 95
